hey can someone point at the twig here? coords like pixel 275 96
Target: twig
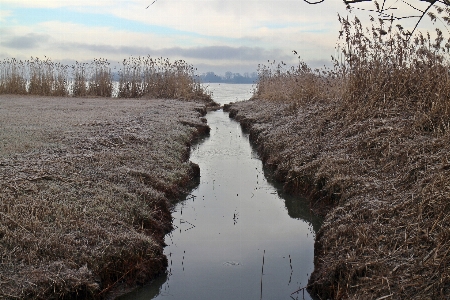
pixel 8 217
pixel 384 297
pixel 262 273
pixel 300 289
pixel 109 287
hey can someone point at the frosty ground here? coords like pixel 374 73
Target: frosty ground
pixel 85 190
pixel 381 183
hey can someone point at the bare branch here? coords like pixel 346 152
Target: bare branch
pixel 385 16
pixel 354 1
pixel 309 2
pixel 424 13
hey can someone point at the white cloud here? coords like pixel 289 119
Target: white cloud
pixel 69 41
pixel 59 3
pixel 269 28
pixel 232 19
pixel 4 14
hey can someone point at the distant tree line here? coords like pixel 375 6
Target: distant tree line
pixel 229 77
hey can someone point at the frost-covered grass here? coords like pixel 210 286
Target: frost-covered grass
pixel 85 186
pixel 382 185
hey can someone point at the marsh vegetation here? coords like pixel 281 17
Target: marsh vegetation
pixel 368 142
pixel 138 77
pixel 86 181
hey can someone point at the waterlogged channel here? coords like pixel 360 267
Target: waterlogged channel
pixel 236 235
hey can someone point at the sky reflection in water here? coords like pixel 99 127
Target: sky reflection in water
pixel 230 221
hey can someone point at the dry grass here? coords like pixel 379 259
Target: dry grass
pixel 159 78
pixel 374 69
pixel 85 186
pixel 381 70
pixel 142 76
pixel 372 154
pixel 91 79
pixel 382 186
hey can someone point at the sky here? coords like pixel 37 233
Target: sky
pixel 212 35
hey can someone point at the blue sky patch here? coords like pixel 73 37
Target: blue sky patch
pixel 32 16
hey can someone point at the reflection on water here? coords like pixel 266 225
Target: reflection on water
pixel 235 237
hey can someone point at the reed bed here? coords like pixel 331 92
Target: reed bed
pixel 297 84
pixel 139 77
pixel 159 78
pixel 368 143
pixel 374 68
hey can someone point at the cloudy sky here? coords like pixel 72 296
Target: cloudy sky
pixel 213 35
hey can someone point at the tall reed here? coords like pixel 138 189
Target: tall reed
pixel 79 71
pixel 92 79
pixel 100 82
pixel 141 76
pixel 46 78
pixel 383 68
pixel 299 83
pixel 159 78
pixel 375 68
pixel 12 79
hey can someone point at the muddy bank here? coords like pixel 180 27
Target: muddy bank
pixel 382 185
pixel 85 191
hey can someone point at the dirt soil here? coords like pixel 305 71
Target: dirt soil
pixel 382 185
pixel 86 186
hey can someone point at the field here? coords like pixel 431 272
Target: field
pixel 85 191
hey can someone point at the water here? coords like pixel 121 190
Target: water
pixel 236 235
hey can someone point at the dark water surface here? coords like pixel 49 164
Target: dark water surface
pixel 236 236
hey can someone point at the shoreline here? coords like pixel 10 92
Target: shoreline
pixel 380 185
pixel 87 186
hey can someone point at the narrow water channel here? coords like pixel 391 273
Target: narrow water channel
pixel 236 236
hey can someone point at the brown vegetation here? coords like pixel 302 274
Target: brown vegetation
pixel 369 143
pixel 139 77
pixel 159 78
pixel 85 186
